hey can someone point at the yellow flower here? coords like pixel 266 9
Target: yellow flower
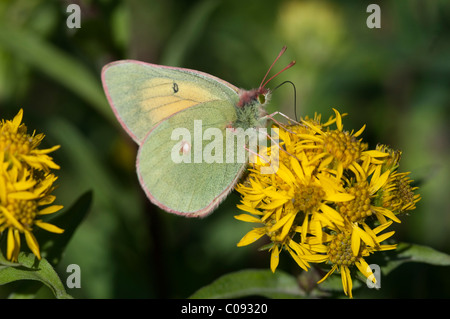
pixel 365 184
pixel 286 200
pixel 26 184
pixel 279 232
pixel 400 196
pixel 397 195
pixel 21 198
pixel 345 247
pixel 341 148
pixel 328 200
pixel 20 147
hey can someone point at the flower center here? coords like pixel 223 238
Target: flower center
pixel 402 197
pixel 405 191
pixel 358 208
pixel 24 211
pixel 308 198
pixel 15 143
pixel 340 250
pixel 343 146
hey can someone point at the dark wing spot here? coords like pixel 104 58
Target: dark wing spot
pixel 175 87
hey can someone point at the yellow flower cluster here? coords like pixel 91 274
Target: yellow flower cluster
pixel 329 200
pixel 26 184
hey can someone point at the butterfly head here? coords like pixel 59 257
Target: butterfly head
pixel 261 95
pixel 256 96
pixel 249 109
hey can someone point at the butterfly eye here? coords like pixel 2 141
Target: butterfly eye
pixel 261 98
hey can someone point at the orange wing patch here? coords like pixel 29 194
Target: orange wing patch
pixel 162 97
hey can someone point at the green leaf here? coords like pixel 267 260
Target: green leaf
pixel 251 282
pixel 415 253
pixel 28 267
pixel 404 253
pixel 53 245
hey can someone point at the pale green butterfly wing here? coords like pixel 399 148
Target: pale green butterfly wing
pixel 150 101
pixel 143 94
pixel 190 189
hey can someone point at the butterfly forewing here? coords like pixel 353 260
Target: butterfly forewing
pixel 143 94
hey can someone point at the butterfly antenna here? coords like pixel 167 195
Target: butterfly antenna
pixel 263 84
pixel 295 96
pixel 284 69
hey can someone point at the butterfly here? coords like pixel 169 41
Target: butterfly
pixel 180 118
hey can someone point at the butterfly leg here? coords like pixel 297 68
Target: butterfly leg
pixel 276 142
pixel 283 115
pixel 271 116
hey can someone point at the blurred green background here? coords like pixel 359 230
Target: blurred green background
pixel 395 79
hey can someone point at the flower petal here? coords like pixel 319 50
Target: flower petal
pixel 361 130
pixel 338 120
pixel 251 237
pixel 50 210
pixel 15 123
pixel 23 195
pixel 340 197
pixel 32 243
pixel 248 218
pixel 366 238
pixel 274 258
pixel 280 223
pixel 274 204
pixel 374 153
pixel 332 214
pixel 49 227
pixel 347 280
pixel 365 270
pixel 328 274
pixel 379 182
pixel 355 243
pixel 11 244
pixel 303 264
pixel 11 219
pixel 387 213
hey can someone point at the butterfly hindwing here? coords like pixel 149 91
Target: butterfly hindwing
pixel 196 187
